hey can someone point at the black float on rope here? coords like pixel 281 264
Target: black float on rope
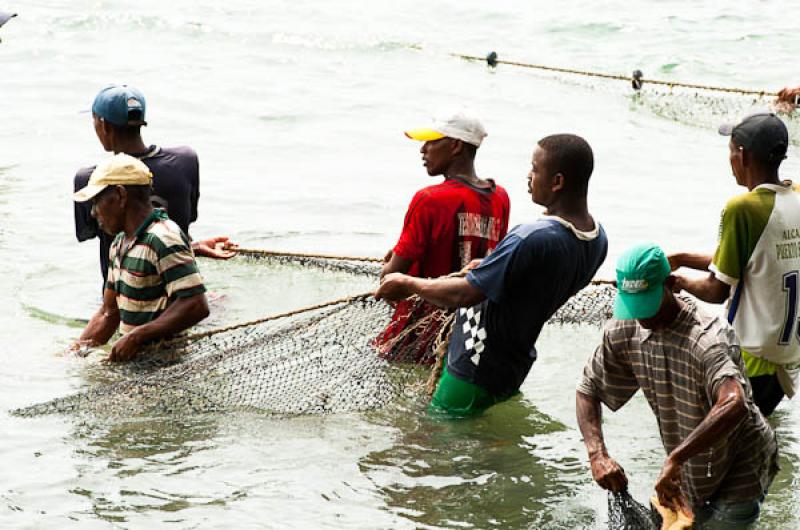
pixel 491 59
pixel 636 79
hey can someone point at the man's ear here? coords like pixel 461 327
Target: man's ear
pixel 457 147
pixel 123 195
pixel 558 182
pixel 669 283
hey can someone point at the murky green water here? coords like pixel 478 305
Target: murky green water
pixel 296 110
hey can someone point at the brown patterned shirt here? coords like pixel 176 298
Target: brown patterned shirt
pixel 679 370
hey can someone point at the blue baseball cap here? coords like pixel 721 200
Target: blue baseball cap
pixel 120 105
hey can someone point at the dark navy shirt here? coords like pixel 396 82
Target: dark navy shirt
pixel 532 272
pixel 176 189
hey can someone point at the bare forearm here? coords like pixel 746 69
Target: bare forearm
pixel 395 263
pixel 179 316
pixel 589 414
pixel 690 260
pixel 709 288
pixel 101 327
pixel 446 292
pixel 728 410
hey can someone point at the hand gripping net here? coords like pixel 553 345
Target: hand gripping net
pixel 316 360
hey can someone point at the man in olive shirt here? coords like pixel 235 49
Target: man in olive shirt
pixel 721 453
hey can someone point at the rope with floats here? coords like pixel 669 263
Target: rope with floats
pixel 636 79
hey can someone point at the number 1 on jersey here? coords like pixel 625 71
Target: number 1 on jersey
pixel 790 287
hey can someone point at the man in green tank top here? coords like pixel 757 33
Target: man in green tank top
pixel 756 267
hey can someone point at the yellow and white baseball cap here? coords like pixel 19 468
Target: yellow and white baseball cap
pixel 120 169
pixel 459 125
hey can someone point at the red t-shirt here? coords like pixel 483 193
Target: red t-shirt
pixel 446 226
pixel 450 224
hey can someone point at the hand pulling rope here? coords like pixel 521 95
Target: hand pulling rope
pixel 635 79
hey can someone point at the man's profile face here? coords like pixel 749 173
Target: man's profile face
pixel 107 209
pixel 539 178
pixel 437 155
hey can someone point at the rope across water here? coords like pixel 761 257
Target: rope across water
pixel 492 60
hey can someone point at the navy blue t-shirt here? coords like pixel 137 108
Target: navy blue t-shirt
pixel 176 189
pixel 532 272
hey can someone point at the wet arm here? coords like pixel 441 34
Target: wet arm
pixel 605 470
pixel 104 323
pixel 181 314
pixel 728 410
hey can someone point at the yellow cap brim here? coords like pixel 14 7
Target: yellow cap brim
pixel 424 135
pixel 89 192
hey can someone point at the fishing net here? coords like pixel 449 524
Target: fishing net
pixel 330 358
pixel 625 513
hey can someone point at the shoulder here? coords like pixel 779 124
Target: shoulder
pixel 758 201
pixel 82 176
pixel 541 230
pixel 183 151
pixel 501 193
pixel 164 234
pixel 709 331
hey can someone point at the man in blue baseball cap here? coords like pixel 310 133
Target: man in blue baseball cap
pixel 119 112
pixel 721 452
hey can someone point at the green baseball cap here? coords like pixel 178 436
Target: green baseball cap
pixel 641 272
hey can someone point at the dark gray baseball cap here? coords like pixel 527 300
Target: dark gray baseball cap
pixel 762 133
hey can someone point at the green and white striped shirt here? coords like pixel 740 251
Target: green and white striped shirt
pixel 157 268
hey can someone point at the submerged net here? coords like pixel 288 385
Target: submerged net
pixel 626 513
pixel 313 361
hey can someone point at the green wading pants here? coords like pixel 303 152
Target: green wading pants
pixel 460 398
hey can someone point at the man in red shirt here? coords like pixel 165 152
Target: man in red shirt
pixel 447 225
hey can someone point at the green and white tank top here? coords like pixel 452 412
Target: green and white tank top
pixel 759 257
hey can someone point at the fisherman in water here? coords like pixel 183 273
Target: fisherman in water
pixel 504 301
pixel 154 289
pixel 447 225
pixel 118 114
pixel 755 267
pixel 721 453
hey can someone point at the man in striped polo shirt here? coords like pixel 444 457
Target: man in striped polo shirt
pixel 721 453
pixel 153 289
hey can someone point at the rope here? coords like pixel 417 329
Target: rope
pixel 492 60
pixel 256 252
pixel 211 332
pixel 440 352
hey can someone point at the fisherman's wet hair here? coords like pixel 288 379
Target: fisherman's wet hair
pixel 571 156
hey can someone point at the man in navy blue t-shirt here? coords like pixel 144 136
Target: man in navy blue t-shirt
pixel 504 302
pixel 118 112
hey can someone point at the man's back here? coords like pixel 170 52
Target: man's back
pixel 759 254
pixel 534 271
pixel 448 225
pixel 176 189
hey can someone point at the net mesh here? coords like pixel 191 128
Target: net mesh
pixel 626 513
pixel 331 359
